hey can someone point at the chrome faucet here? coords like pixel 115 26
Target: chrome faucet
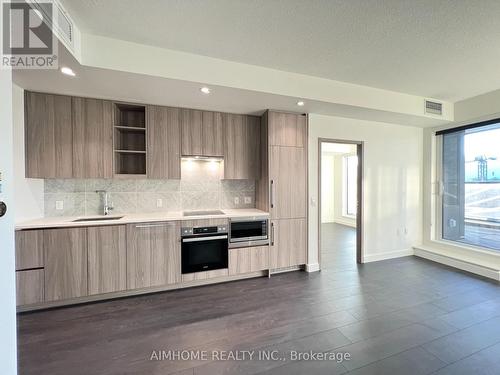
pixel 106 207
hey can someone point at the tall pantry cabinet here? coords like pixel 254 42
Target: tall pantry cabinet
pixel 282 189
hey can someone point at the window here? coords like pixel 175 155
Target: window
pixel 350 183
pixel 471 186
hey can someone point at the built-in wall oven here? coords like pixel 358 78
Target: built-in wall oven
pixel 248 231
pixel 204 248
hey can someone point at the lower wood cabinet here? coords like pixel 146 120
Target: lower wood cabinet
pixel 65 263
pixel 29 287
pixel 29 249
pixel 107 259
pixel 288 242
pixel 153 254
pixel 248 259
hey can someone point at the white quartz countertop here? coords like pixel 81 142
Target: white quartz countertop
pixel 65 222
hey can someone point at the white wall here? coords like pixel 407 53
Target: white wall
pixel 8 346
pixel 27 192
pixel 392 199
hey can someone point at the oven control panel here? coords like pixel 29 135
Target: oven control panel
pixel 196 231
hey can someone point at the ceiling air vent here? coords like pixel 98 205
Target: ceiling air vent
pixel 434 108
pixel 58 20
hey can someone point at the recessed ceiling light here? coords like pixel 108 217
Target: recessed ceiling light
pixel 300 103
pixel 205 90
pixel 68 71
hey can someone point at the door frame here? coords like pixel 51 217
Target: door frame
pixel 359 211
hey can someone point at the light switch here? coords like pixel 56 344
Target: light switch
pixel 236 200
pixel 248 200
pixel 159 202
pixel 59 205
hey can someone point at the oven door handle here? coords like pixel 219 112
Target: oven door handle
pixel 200 239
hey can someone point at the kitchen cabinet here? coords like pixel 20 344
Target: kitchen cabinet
pixel 288 243
pixel 287 129
pixel 191 129
pixel 248 259
pixel 282 189
pixel 153 254
pixel 107 259
pixel 163 142
pixel 29 249
pixel 201 133
pixel 212 134
pixel 48 136
pixel 92 138
pixel 66 263
pixel 241 147
pixel 29 287
pixel 287 173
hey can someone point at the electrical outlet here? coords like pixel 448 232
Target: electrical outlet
pixel 159 202
pixel 248 200
pixel 59 205
pixel 236 200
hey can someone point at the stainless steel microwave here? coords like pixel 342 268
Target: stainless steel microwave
pixel 248 231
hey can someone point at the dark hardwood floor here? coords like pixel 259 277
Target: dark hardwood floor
pixel 401 316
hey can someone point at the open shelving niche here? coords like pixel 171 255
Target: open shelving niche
pixel 129 122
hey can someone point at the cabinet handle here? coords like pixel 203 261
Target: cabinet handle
pixel 272 234
pixel 272 193
pixel 154 225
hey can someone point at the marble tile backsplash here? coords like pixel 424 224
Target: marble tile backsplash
pixel 79 197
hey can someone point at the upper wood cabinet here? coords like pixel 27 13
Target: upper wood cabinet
pixel 212 134
pixel 241 147
pixel 201 133
pixel 287 129
pixel 163 142
pixel 191 130
pixel 92 138
pixel 153 254
pixel 65 263
pixel 107 259
pixel 287 173
pixel 48 136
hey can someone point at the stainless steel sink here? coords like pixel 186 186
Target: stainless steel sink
pixel 99 218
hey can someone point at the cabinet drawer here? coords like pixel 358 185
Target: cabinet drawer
pixel 29 249
pixel 248 259
pixel 29 287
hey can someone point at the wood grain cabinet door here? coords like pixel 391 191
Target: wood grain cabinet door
pixel 288 243
pixel 65 263
pixel 48 136
pixel 163 142
pixel 29 287
pixel 287 173
pixel 107 259
pixel 241 147
pixel 248 259
pixel 153 254
pixel 29 249
pixel 287 129
pixel 92 138
pixel 191 130
pixel 212 134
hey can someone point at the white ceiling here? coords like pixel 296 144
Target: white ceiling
pixel 444 49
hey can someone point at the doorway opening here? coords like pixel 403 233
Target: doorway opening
pixel 340 203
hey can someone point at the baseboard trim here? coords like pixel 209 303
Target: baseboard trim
pixel 346 222
pixel 313 267
pixel 477 269
pixel 388 255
